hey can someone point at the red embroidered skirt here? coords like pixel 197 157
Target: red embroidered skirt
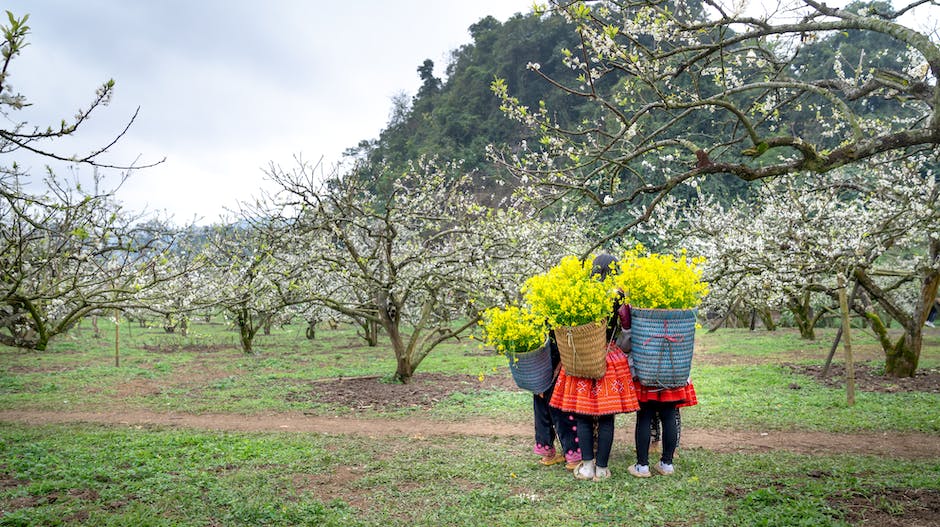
pixel 685 395
pixel 612 394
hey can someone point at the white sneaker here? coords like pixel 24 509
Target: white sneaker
pixel 929 324
pixel 640 471
pixel 601 473
pixel 664 468
pixel 584 470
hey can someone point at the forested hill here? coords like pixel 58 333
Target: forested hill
pixel 455 115
pixel 457 118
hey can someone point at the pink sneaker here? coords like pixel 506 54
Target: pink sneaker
pixel 572 458
pixel 544 450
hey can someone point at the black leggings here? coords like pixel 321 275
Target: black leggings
pixel 667 416
pixel 605 437
pixel 655 434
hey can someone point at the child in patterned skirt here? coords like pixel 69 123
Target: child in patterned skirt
pixel 665 403
pixel 595 402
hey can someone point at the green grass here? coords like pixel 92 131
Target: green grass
pixel 771 397
pixel 139 475
pixel 132 476
pixel 741 378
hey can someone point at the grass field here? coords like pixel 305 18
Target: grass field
pixel 85 474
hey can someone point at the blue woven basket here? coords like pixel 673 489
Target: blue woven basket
pixel 533 370
pixel 662 341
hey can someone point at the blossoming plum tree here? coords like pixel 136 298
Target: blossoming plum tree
pixel 877 227
pixel 246 275
pixel 684 94
pixel 425 257
pixel 65 251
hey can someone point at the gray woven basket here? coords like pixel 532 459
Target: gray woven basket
pixel 532 370
pixel 662 342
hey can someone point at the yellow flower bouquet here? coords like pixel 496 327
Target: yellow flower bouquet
pixel 568 295
pixel 513 330
pixel 576 305
pixel 660 281
pixel 520 335
pixel 663 291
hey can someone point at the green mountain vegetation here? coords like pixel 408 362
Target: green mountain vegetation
pixel 456 116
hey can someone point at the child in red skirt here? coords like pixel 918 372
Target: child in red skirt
pixel 665 403
pixel 595 402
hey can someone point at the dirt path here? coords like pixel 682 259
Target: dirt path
pixel 900 446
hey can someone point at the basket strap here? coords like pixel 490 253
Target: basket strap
pixel 613 334
pixel 574 350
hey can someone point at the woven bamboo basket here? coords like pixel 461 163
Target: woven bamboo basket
pixel 662 342
pixel 583 349
pixel 532 370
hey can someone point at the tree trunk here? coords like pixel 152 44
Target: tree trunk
pixel 805 322
pixel 404 371
pixel 42 341
pixel 404 368
pixel 767 317
pixel 803 316
pixel 902 355
pixel 902 360
pixel 370 332
pixel 246 331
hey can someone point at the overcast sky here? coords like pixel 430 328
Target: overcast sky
pixel 227 86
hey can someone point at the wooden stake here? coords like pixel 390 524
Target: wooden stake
pixel 847 344
pixel 835 343
pixel 117 338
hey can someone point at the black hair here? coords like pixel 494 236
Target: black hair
pixel 602 265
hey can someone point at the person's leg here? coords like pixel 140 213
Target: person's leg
pixel 678 426
pixel 566 428
pixel 605 439
pixel 654 433
pixel 544 428
pixel 642 440
pixel 667 412
pixel 586 443
pixel 642 435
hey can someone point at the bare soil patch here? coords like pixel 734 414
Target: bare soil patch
pixel 373 393
pixel 193 348
pixel 893 508
pixel 869 379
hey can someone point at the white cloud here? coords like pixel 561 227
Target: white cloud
pixel 226 87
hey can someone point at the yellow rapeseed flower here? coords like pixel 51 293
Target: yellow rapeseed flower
pixel 568 294
pixel 660 281
pixel 513 329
